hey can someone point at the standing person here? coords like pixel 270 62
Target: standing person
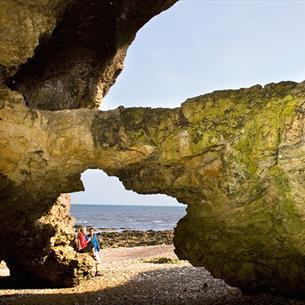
pixel 96 247
pixel 84 245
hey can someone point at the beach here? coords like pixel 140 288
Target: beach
pixel 139 276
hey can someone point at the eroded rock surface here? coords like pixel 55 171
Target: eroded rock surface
pixel 55 54
pixel 235 157
pixel 81 49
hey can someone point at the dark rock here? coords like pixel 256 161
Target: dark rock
pixel 130 238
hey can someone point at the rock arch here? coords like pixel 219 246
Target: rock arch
pixel 235 157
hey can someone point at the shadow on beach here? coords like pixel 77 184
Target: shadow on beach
pixel 8 282
pixel 176 285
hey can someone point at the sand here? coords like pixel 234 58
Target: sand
pixel 130 278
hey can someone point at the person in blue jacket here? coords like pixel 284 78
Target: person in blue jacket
pixel 96 246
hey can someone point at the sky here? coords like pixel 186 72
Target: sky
pixel 196 47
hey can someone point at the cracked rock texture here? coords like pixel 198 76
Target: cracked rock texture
pixel 79 46
pixel 235 157
pixel 55 54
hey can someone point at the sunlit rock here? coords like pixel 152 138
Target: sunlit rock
pixel 234 157
pixel 55 54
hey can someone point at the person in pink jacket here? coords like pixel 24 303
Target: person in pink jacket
pixel 84 245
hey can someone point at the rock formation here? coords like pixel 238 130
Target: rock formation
pixel 235 157
pixel 54 54
pixel 63 54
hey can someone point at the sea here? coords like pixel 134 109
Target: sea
pixel 127 217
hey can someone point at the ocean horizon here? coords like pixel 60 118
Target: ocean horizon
pixel 134 204
pixel 119 217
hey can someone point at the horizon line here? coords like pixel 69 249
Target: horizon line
pixel 132 204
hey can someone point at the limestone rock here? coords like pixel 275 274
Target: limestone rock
pixel 55 54
pixel 24 24
pixel 234 157
pixel 80 47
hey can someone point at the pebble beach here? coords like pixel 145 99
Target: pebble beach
pixel 138 276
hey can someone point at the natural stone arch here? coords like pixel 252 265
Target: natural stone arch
pixel 215 153
pixel 235 157
pixel 46 46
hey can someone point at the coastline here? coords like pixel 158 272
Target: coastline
pixel 135 238
pixel 114 238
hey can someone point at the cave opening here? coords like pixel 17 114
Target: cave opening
pixel 123 218
pixel 130 228
pixel 5 278
pixel 4 270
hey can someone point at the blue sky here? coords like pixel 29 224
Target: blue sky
pixel 195 47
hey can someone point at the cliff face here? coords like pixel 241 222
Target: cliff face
pixel 234 157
